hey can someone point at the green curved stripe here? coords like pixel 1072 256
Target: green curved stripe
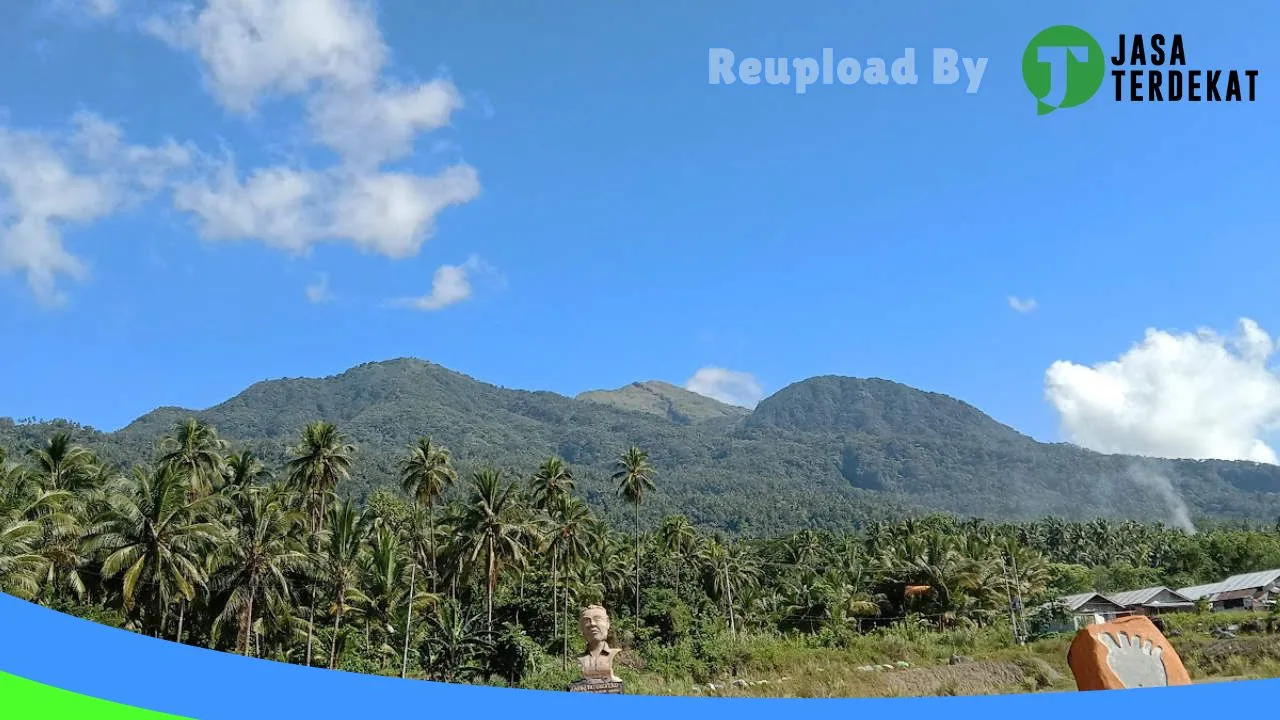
pixel 22 699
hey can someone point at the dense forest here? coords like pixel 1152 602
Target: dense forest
pixel 478 577
pixel 827 453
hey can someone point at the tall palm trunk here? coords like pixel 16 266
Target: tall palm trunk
pixel 637 567
pixel 311 626
pixel 333 645
pixel 431 522
pixel 182 611
pixel 678 563
pixel 728 590
pixel 492 583
pixel 248 625
pixel 555 599
pixel 564 664
pixel 408 620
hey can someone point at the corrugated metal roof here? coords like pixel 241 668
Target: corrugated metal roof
pixel 1236 594
pixel 1244 581
pixel 1144 596
pixel 1075 602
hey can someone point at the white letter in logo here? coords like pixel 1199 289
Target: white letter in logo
pixel 1056 57
pixel 945 71
pixel 720 66
pixel 806 73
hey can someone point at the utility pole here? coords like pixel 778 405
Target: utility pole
pixel 1017 581
pixel 1013 620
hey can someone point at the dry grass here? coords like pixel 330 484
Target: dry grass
pixel 773 667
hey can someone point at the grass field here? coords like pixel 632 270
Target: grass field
pixel 897 663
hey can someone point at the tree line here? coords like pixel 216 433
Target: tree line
pixel 206 545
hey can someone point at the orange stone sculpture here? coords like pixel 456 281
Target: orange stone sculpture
pixel 1128 652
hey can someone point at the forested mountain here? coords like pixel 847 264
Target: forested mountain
pixel 666 400
pixel 827 452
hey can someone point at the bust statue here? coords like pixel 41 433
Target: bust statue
pixel 597 663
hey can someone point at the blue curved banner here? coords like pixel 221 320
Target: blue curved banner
pixel 79 656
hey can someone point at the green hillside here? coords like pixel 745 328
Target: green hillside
pixel 827 452
pixel 668 401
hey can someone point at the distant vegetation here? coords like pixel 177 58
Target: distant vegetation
pixel 668 401
pixel 828 453
pixel 476 576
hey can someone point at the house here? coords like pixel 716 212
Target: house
pixel 1246 591
pixel 1085 609
pixel 1152 601
pixel 1094 605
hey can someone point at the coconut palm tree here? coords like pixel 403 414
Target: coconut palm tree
pixel 455 646
pixel 20 564
pixel 384 587
pixel 425 475
pixel 60 542
pixel 551 484
pixel 494 526
pixel 243 469
pixel 634 476
pixel 340 563
pixel 60 464
pixel 418 533
pixel 256 560
pixel 608 562
pixel 677 538
pixel 728 569
pixel 320 461
pixel 152 537
pixel 196 451
pixel 573 535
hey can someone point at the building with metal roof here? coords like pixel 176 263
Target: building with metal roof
pixel 1092 604
pixel 1152 600
pixel 1242 590
pixel 1084 609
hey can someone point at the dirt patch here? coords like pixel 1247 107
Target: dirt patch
pixel 976 678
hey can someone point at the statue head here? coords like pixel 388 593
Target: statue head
pixel 594 623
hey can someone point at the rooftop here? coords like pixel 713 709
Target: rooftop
pixel 1075 602
pixel 1145 596
pixel 1246 581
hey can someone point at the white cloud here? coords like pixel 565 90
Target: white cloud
pixel 318 291
pixel 1191 395
pixel 450 285
pixel 50 181
pixel 331 53
pixel 277 205
pixel 76 9
pixel 250 48
pixel 1022 306
pixel 368 128
pixel 102 8
pixel 727 386
pixel 392 214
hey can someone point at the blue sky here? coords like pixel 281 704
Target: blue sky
pixel 627 220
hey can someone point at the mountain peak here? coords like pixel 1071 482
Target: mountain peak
pixel 657 397
pixel 840 404
pixel 826 452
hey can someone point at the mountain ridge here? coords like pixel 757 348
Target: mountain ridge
pixel 662 398
pixel 826 452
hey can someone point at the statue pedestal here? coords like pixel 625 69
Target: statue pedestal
pixel 610 687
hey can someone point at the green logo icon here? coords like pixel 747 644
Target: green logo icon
pixel 1063 67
